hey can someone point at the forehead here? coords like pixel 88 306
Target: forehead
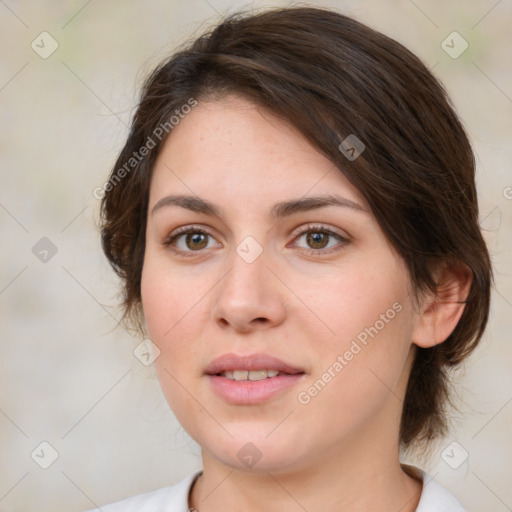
pixel 234 149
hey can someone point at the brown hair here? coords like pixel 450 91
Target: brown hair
pixel 331 76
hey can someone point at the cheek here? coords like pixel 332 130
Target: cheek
pixel 155 296
pixel 168 309
pixel 362 372
pixel 346 304
pixel 368 320
pixel 163 293
pixel 163 302
pixel 378 346
pixel 175 307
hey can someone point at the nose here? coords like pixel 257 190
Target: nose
pixel 249 297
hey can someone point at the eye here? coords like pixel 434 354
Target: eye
pixel 188 240
pixel 319 239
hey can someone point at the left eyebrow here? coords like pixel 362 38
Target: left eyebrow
pixel 278 211
pixel 290 207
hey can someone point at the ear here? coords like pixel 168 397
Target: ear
pixel 441 311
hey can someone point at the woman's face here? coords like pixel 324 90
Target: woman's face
pixel 283 316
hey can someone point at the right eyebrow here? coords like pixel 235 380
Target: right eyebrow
pixel 193 203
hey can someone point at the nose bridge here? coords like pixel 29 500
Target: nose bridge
pixel 246 280
pixel 248 293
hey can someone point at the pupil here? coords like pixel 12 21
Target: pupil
pixel 317 240
pixel 197 239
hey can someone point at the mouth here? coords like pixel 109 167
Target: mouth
pixel 251 380
pixel 251 375
pixel 258 366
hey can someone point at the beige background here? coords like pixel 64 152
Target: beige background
pixel 67 376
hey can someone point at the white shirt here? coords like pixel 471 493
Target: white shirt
pixel 434 498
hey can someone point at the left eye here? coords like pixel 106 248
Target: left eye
pixel 320 239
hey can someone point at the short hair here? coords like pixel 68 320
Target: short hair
pixel 331 76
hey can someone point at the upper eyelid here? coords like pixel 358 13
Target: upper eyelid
pixel 308 227
pixel 185 230
pixel 311 226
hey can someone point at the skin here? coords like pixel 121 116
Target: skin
pixel 340 451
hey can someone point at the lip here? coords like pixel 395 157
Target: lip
pixel 251 392
pixel 249 362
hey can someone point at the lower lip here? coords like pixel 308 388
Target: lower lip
pixel 248 392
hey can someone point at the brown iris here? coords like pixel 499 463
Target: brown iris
pixel 199 240
pixel 317 239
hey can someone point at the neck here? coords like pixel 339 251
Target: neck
pixel 360 475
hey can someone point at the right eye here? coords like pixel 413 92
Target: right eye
pixel 189 240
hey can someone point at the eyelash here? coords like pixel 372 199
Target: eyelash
pixel 168 242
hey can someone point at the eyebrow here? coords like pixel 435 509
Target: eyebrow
pixel 278 211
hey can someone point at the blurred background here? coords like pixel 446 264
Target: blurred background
pixel 82 420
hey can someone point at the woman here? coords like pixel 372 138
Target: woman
pixel 294 219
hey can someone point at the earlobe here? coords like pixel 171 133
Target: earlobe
pixel 441 311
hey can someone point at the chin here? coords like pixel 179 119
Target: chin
pixel 257 453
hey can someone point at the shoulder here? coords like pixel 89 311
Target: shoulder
pixel 173 498
pixel 435 498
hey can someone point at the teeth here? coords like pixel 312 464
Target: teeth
pixel 250 375
pixel 258 375
pixel 240 374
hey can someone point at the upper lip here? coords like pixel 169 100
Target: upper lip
pixel 230 362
